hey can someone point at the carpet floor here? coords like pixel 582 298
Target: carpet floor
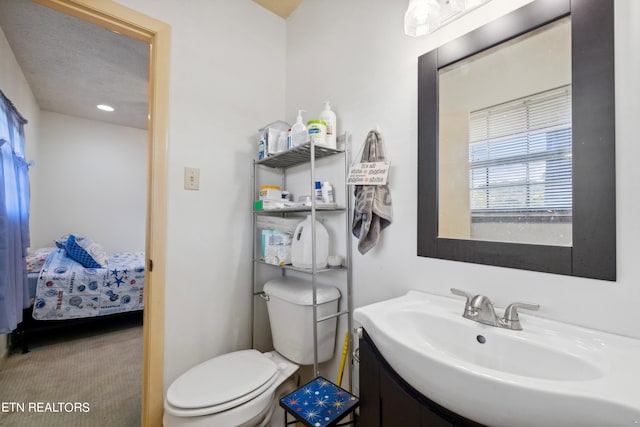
pixel 88 378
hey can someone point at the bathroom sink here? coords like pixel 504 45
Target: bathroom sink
pixel 505 351
pixel 550 373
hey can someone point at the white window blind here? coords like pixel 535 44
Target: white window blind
pixel 520 156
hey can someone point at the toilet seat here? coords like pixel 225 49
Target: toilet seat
pixel 221 383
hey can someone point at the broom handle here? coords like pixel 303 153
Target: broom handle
pixel 345 348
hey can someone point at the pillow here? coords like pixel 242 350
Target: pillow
pixel 86 252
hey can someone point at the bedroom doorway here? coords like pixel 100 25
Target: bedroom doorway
pixel 156 34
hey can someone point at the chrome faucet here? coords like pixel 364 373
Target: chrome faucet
pixel 480 309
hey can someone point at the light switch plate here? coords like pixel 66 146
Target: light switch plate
pixel 191 178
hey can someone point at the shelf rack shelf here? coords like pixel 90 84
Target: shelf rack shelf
pixel 308 154
pixel 301 270
pixel 297 155
pixel 299 210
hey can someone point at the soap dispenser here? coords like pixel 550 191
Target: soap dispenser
pixel 329 117
pixel 298 131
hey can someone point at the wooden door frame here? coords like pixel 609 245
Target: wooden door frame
pixel 115 17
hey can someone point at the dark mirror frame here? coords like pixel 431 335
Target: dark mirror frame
pixel 593 253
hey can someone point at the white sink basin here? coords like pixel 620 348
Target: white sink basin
pixel 548 374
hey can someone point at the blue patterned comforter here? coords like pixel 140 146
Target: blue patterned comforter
pixel 67 290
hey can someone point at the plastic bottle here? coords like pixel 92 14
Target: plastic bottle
pixel 317 132
pixel 318 191
pixel 329 117
pixel 298 131
pixel 301 249
pixel 327 192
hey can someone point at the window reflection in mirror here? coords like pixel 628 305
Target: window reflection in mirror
pixel 505 159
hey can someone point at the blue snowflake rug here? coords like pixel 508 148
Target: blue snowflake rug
pixel 319 403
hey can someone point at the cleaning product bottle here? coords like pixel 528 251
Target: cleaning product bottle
pixel 327 192
pixel 298 131
pixel 329 117
pixel 301 249
pixel 318 189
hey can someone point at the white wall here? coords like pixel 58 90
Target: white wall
pixel 369 71
pixel 15 87
pixel 227 80
pixel 92 181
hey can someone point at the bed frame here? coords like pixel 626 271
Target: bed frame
pixel 30 326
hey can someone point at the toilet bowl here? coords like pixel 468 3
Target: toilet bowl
pixel 242 389
pixel 246 390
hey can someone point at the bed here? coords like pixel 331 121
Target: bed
pixel 65 291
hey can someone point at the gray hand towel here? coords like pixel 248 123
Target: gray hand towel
pixel 372 211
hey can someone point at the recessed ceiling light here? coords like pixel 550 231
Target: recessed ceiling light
pixel 104 107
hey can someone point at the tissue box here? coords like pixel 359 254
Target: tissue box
pixel 276 247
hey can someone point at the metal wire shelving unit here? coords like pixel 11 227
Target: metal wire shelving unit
pixel 303 154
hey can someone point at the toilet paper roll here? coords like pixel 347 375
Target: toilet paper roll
pixel 334 261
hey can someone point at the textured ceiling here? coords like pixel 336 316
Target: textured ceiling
pixel 72 65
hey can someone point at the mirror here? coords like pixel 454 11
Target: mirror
pixel 505 141
pixel 516 142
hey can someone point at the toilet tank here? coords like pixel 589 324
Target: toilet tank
pixel 290 307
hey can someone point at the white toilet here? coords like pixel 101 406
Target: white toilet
pixel 243 388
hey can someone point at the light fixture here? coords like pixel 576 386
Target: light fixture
pixel 422 17
pixel 105 107
pixel 425 16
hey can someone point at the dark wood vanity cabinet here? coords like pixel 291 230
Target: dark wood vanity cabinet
pixel 386 400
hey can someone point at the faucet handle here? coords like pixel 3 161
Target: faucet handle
pixel 511 314
pixel 462 293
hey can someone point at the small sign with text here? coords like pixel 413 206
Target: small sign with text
pixel 374 173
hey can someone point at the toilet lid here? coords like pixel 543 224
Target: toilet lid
pixel 221 379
